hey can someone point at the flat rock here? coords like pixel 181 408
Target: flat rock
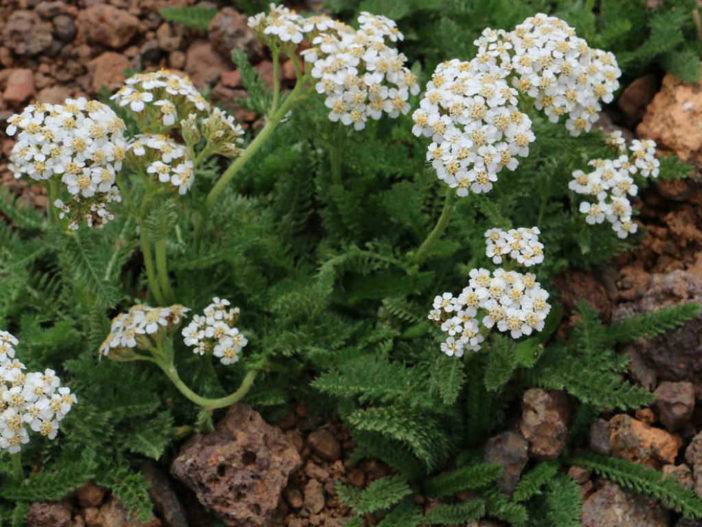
pixel 239 470
pixel 545 415
pixel 641 443
pixel 613 507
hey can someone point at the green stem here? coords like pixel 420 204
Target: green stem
pixel 52 191
pixel 439 228
pixel 16 466
pixel 150 270
pixel 255 145
pixel 162 271
pixel 276 80
pixel 205 402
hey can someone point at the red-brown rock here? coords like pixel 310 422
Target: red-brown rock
pixel 107 70
pixel 675 403
pixel 574 286
pixel 107 25
pixel 27 34
pixel 693 456
pixel 324 444
pixel 640 443
pixel 314 496
pixel 545 415
pixel 510 450
pixel 169 37
pixel 49 514
pixel 231 79
pixel 680 473
pixel 229 30
pixel 90 495
pixel 613 507
pixel 239 470
pixel 203 64
pixel 636 96
pixel 56 94
pixel 20 86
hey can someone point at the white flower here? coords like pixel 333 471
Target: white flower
pixel 521 244
pixel 160 156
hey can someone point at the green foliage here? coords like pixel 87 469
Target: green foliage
pixel 378 496
pixel 190 16
pixel 563 501
pixel 643 480
pixel 532 482
pixel 652 324
pixel 454 514
pixel 465 478
pixel 258 95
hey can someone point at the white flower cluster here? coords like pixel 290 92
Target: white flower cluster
pixel 160 98
pixel 28 399
pixel 549 62
pixel 223 133
pixel 357 70
pixel 611 183
pixel 522 245
pixel 129 329
pixel 511 301
pixel 168 161
pixel 215 332
pixel 82 143
pixel 471 114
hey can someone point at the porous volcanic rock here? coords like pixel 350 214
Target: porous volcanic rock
pixel 239 470
pixel 545 415
pixel 640 443
pixel 675 403
pixel 229 30
pixel 203 64
pixel 693 456
pixel 611 506
pixel 108 25
pixel 26 33
pixel 49 514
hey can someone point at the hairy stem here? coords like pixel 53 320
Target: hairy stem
pixel 221 402
pixel 151 276
pixel 254 146
pixel 162 271
pixel 439 228
pixel 276 80
pixel 16 467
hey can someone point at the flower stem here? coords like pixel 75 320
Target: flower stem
pixel 235 397
pixel 439 228
pixel 150 270
pixel 162 271
pixel 52 190
pixel 276 80
pixel 255 145
pixel 17 471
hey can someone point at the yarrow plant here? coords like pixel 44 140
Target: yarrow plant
pixel 612 182
pixel 510 301
pixel 28 400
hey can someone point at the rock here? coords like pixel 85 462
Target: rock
pixel 675 355
pixel 56 94
pixel 356 478
pixel 599 438
pixel 639 370
pixel 579 474
pixel 294 497
pixel 324 444
pixel 107 70
pixel 636 96
pixel 169 37
pixel 510 450
pixel 150 52
pixel 114 514
pixel 27 34
pixel 685 522
pixel 693 456
pixel 645 415
pixel 613 507
pixel 675 403
pixel 574 286
pixel 49 10
pixel 229 30
pixel 20 86
pixel 90 495
pixel 265 70
pixel 108 25
pixel 176 60
pixel 674 117
pixel 680 473
pixel 49 514
pixel 231 79
pixel 239 470
pixel 64 28
pixel 203 64
pixel 545 415
pixel 640 443
pixel 314 496
pixel 164 497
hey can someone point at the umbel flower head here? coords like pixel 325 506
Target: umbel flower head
pixel 160 99
pixel 612 182
pixel 522 245
pixel 471 115
pixel 359 72
pixel 215 332
pixel 164 160
pixel 80 142
pixel 29 401
pixel 139 329
pixel 509 301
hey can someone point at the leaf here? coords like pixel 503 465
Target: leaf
pixel 152 438
pixel 190 16
pixel 379 495
pixel 501 362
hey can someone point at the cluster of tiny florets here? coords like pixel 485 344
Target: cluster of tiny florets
pixel 215 332
pixel 549 62
pixel 34 400
pixel 222 133
pixel 512 302
pixel 357 70
pixel 611 183
pixel 80 142
pixel 129 329
pixel 162 158
pixel 160 99
pixel 522 245
pixel 476 128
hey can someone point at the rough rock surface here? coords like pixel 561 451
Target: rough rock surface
pixel 108 70
pixel 680 473
pixel 693 456
pixel 203 64
pixel 27 34
pixel 510 450
pixel 675 403
pixel 108 25
pixel 599 437
pixel 239 470
pixel 164 497
pixel 229 30
pixel 49 514
pixel 674 119
pixel 635 97
pixel 20 86
pixel 611 506
pixel 575 286
pixel 90 495
pixel 545 415
pixel 640 443
pixel 324 444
